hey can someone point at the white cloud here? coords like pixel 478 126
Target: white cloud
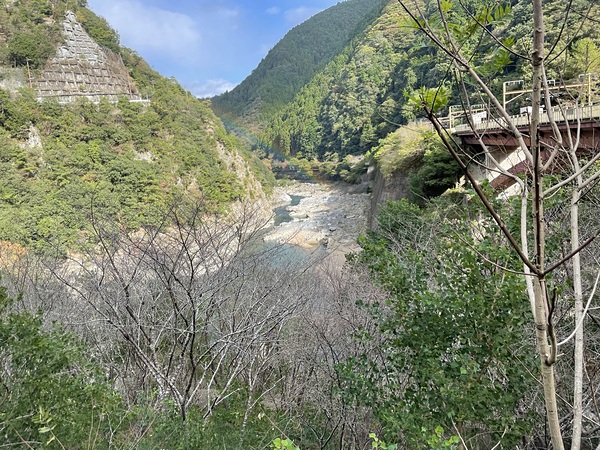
pixel 228 13
pixel 210 88
pixel 151 29
pixel 300 14
pixel 273 10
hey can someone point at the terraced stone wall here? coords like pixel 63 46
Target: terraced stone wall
pixel 81 68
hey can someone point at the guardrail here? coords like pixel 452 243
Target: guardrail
pixel 64 99
pixel 582 113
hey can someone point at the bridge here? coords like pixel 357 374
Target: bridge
pixel 496 132
pixel 582 122
pixel 576 117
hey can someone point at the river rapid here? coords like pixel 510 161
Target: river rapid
pixel 323 218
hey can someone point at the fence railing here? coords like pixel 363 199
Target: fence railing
pixel 560 115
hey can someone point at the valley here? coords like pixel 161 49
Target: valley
pixel 320 258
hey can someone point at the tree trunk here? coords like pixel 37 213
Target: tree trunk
pixel 545 351
pixel 578 352
pixel 543 318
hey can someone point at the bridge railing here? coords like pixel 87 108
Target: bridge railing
pixel 571 114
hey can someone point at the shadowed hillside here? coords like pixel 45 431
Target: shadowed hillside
pixel 304 50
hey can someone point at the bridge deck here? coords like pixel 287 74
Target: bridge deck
pixel 587 113
pixel 505 148
pixel 495 132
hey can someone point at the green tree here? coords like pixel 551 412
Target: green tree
pixel 475 40
pixel 585 58
pixel 438 173
pixel 52 391
pixel 30 48
pixel 444 349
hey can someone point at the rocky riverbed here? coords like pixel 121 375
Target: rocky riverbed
pixel 328 216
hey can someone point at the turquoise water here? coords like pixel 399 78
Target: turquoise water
pixel 282 214
pixel 284 255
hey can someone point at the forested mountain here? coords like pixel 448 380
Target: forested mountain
pixel 67 148
pixel 365 93
pixel 357 99
pixel 288 66
pixel 368 89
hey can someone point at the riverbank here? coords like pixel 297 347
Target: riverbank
pixel 328 216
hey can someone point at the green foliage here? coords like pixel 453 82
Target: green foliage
pixel 379 444
pixel 163 428
pixel 438 172
pixel 436 440
pixel 402 151
pixel 585 57
pixel 30 49
pixel 418 153
pixel 31 32
pixel 128 159
pixel 56 396
pixel 434 99
pixel 17 114
pixel 562 31
pixel 448 346
pixel 99 29
pixel 283 444
pixel 51 389
pixel 460 23
pixel 288 444
pixel 301 54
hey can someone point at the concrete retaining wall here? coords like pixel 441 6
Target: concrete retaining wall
pixel 81 68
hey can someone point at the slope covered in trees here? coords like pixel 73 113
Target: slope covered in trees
pixel 372 88
pixel 288 66
pixel 62 161
pixel 353 102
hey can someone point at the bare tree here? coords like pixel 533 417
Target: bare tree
pixel 197 304
pixel 199 310
pixel 325 338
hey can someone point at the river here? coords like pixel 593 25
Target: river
pixel 282 213
pixel 319 217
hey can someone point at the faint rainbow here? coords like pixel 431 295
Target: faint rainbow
pixel 238 130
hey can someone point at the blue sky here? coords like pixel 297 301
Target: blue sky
pixel 208 46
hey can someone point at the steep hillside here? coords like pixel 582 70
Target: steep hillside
pixel 76 139
pixel 304 51
pixel 354 101
pixel 368 90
